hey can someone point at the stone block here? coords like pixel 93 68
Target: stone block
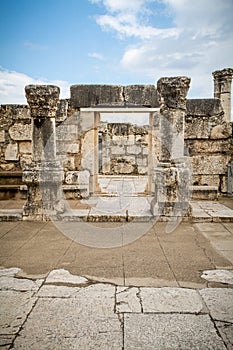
pixel 118 150
pixel 142 170
pixel 219 302
pixel 93 95
pixel 22 112
pixel 25 160
pixel 62 108
pixel 206 180
pixel 122 168
pixel 25 147
pixel 21 132
pixel 222 131
pixel 142 95
pixel 72 148
pixel 209 164
pixel 204 107
pixel 2 135
pixel 170 331
pixel 197 128
pixel 142 161
pixel 69 163
pixel 134 149
pixel 11 152
pixel 209 146
pixel 7 166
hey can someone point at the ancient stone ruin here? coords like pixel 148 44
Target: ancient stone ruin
pixel 54 149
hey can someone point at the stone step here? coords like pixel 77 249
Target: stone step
pixel 204 192
pixel 11 214
pixel 10 177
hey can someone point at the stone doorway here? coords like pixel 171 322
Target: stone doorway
pixel 123 151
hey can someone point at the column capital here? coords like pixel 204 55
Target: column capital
pixel 42 100
pixel 172 92
pixel 224 74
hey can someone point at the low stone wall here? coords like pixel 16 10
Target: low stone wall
pixel 123 149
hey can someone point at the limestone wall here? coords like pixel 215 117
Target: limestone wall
pixel 208 140
pixel 123 149
pixel 15 137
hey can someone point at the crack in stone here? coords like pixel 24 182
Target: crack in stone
pixel 22 325
pixel 138 295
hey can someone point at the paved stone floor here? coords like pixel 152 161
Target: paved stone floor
pixel 157 290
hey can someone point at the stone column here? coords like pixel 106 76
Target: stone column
pixel 44 176
pixel 172 174
pixel 222 89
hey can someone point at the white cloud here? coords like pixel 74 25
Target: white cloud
pixel 127 19
pixel 199 42
pixel 12 86
pixel 96 55
pixel 127 26
pixel 203 45
pixel 122 5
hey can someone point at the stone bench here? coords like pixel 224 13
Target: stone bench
pixel 204 192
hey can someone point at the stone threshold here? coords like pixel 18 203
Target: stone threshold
pixel 202 211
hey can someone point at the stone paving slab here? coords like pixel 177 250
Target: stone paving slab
pixel 219 302
pixel 168 300
pixel 105 316
pixel 170 332
pixel 15 306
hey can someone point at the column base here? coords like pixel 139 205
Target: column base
pixel 44 197
pixel 172 194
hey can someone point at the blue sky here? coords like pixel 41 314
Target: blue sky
pixel 67 42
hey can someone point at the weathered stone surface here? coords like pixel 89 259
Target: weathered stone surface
pixel 134 149
pixel 222 89
pixel 197 127
pixel 11 152
pixel 48 291
pixel 170 300
pixel 7 166
pixel 15 306
pixel 43 100
pixel 92 95
pixel 142 95
pixel 62 109
pixel 25 147
pixel 172 92
pixel 63 276
pixel 2 135
pixel 204 107
pixel 221 131
pixel 171 332
pixel 90 322
pixel 118 150
pixel 20 132
pixel 19 284
pixel 10 272
pixel 209 164
pixel 6 341
pixel 223 276
pixel 226 331
pixel 209 146
pixel 128 299
pixel 25 161
pixel 219 302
